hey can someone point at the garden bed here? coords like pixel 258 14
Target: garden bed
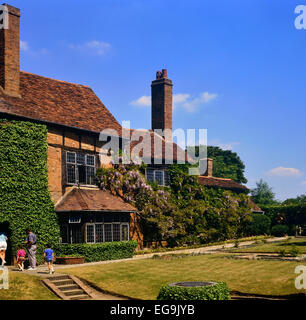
pixel 69 260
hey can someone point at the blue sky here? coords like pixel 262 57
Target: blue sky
pixel 238 69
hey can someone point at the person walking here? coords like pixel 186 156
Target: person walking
pixel 49 257
pixel 3 246
pixel 31 248
pixel 20 257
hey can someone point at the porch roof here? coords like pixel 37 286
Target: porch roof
pixel 80 199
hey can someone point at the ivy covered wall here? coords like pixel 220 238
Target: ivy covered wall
pixel 25 200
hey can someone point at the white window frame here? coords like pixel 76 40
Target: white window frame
pixel 154 178
pixel 72 222
pixel 94 232
pixel 128 230
pixel 103 236
pixel 76 174
pixel 105 223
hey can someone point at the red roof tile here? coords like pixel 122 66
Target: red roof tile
pixel 59 102
pixel 177 153
pixel 78 199
pixel 221 183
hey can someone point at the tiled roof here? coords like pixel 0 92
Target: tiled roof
pixel 59 102
pixel 221 183
pixel 255 207
pixel 79 199
pixel 178 153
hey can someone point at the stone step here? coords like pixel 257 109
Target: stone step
pixel 75 292
pixel 61 277
pixel 59 283
pixel 81 297
pixel 68 287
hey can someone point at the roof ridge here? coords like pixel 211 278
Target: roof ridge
pixel 217 178
pixel 37 75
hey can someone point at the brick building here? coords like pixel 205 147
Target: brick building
pixel 75 116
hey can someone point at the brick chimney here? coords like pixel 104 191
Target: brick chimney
pixel 9 51
pixel 209 171
pixel 161 93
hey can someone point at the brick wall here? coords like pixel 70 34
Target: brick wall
pixel 9 54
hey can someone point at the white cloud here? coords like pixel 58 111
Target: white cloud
pixel 144 101
pixel 180 100
pixel 284 172
pixel 24 45
pixel 223 145
pixel 203 98
pixel 92 47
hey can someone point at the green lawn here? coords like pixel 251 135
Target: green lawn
pixel 287 245
pixel 142 278
pixel 25 287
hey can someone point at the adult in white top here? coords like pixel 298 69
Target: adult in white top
pixel 3 246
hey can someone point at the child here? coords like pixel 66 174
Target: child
pixel 49 257
pixel 20 257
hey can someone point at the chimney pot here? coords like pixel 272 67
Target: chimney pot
pixel 164 73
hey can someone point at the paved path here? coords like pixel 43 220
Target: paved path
pixel 41 270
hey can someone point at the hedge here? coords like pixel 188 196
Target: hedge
pixel 279 230
pixel 217 291
pixel 286 214
pixel 25 200
pixel 259 225
pixel 98 252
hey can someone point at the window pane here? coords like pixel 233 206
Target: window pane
pixel 80 158
pixel 90 233
pixel 108 233
pixel 90 160
pixel 76 233
pixel 159 177
pixel 71 157
pixel 99 233
pixel 90 171
pixel 116 232
pixel 70 173
pixel 124 232
pixel 150 175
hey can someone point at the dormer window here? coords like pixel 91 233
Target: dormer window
pixel 81 168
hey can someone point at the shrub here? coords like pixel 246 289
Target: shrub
pixel 279 230
pixel 98 252
pixel 259 225
pixel 217 291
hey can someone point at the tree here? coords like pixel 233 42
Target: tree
pixel 227 164
pixel 298 200
pixel 263 194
